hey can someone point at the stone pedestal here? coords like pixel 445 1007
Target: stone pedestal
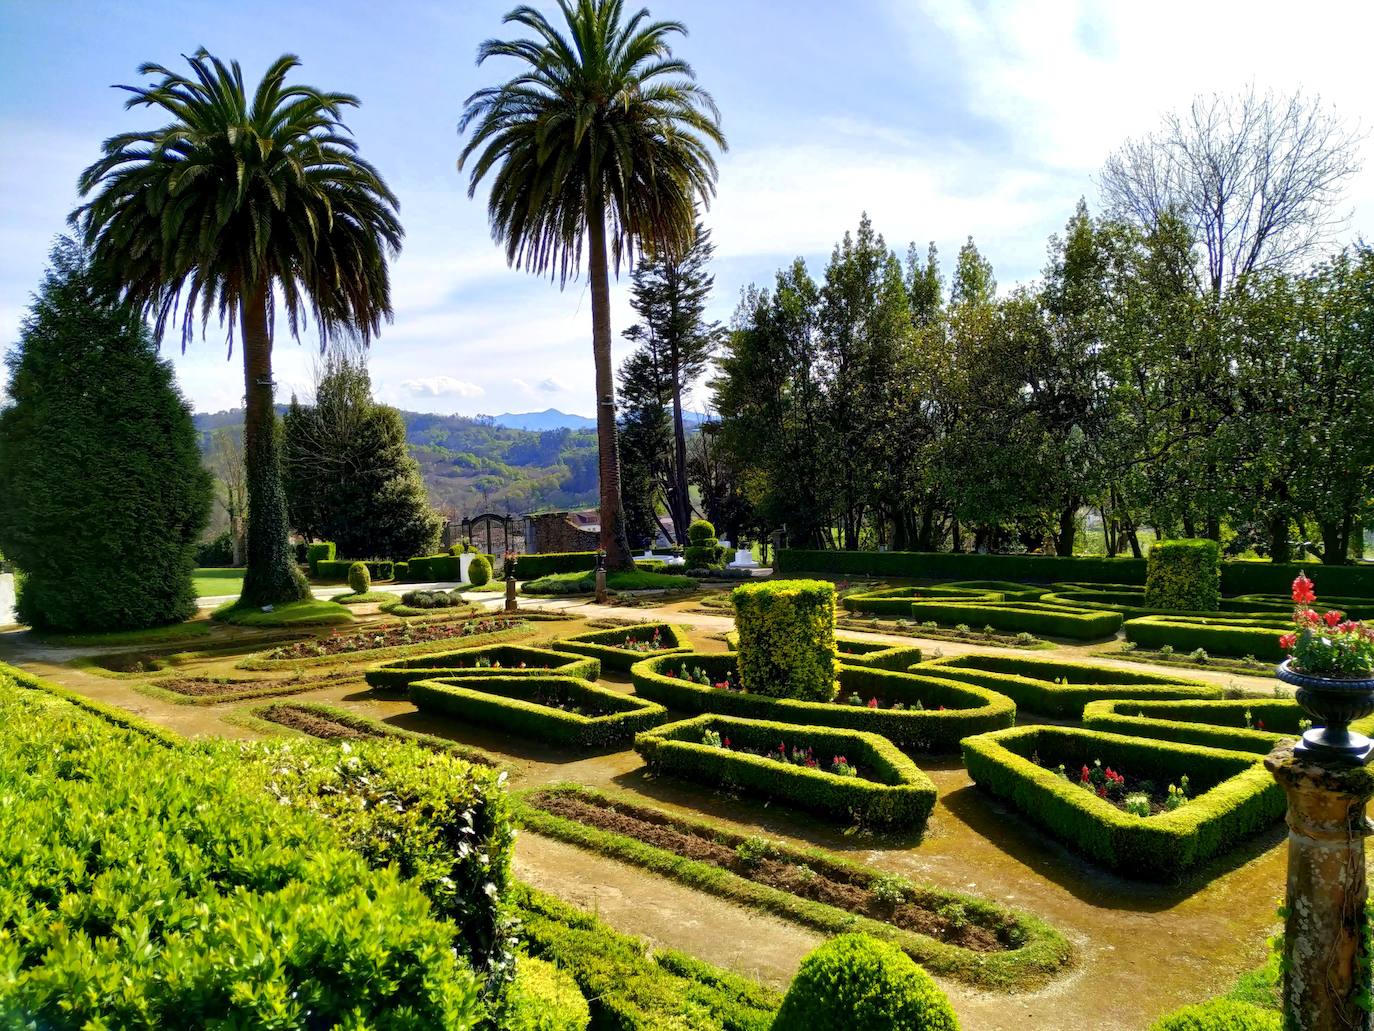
pixel 602 598
pixel 511 604
pixel 1326 890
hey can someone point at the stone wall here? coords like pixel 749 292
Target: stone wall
pixel 553 532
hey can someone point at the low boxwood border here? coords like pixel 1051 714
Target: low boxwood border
pixel 1031 683
pixel 260 661
pixel 1214 635
pixel 970 709
pixel 598 644
pixel 896 601
pixel 1043 953
pixel 859 651
pixel 1214 724
pixel 504 703
pixel 901 797
pixel 1033 617
pixel 111 714
pixel 1242 797
pixel 398 674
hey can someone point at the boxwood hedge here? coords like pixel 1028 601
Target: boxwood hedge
pixel 1216 724
pixel 896 601
pixel 608 645
pixel 1034 617
pixel 337 569
pixel 899 795
pixel 543 708
pixel 532 567
pixel 509 660
pixel 1220 635
pixel 1131 604
pixel 1184 574
pixel 1057 688
pixel 855 651
pixel 950 710
pixel 786 637
pixel 1233 795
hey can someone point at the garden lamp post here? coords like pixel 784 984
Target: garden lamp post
pixel 508 561
pixel 602 597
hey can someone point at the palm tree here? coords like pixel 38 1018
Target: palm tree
pixel 602 133
pixel 230 209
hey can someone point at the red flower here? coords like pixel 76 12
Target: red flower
pixel 873 703
pixel 1286 641
pixel 1332 618
pixel 1086 776
pixel 1259 724
pixel 1102 792
pixel 1303 592
pixel 726 742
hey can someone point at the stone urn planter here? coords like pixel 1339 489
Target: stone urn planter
pixel 1333 705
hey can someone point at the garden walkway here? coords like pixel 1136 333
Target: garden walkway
pixel 6 599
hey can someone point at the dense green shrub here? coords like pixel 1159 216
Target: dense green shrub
pixel 479 571
pixel 1184 575
pixel 532 567
pixel 703 556
pixel 945 565
pixel 189 899
pixel 855 981
pixel 1257 577
pixel 1220 1015
pixel 854 651
pixel 936 715
pixel 507 660
pixel 898 795
pixel 1233 795
pixel 1010 590
pixel 544 998
pixel 1242 725
pixel 319 551
pixel 558 710
pixel 102 493
pixel 632 988
pixel 700 531
pixel 1054 687
pixel 896 601
pixel 1235 636
pixel 787 638
pixel 341 569
pixel 611 646
pixel 1034 617
pixel 217 551
pixel 359 578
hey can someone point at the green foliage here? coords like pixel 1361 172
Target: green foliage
pixel 1241 725
pixel 217 552
pixel 104 494
pixel 701 532
pixel 1034 617
pixel 787 638
pixel 899 795
pixel 861 982
pixel 193 898
pixel 359 578
pixel 342 569
pixel 545 997
pixel 479 571
pixel 532 567
pixel 896 601
pixel 508 660
pixel 1184 575
pixel 348 473
pixel 936 713
pixel 616 580
pixel 942 565
pixel 1059 688
pixel 611 646
pixel 633 988
pixel 1220 1015
pixel 314 612
pixel 557 710
pixel 320 551
pixel 1235 795
pixel 1219 635
pixel 854 651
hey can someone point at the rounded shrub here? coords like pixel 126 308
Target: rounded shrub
pixel 544 997
pixel 700 531
pixel 855 981
pixel 359 578
pixel 1220 1015
pixel 479 571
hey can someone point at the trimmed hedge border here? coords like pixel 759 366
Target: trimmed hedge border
pixel 1239 798
pixel 1213 724
pixel 1034 617
pixel 858 651
pixel 259 662
pixel 1216 636
pixel 902 797
pixel 337 569
pixel 1031 683
pixel 1010 590
pixel 1131 604
pixel 112 714
pixel 504 703
pixel 896 601
pixel 532 567
pixel 399 674
pixel 598 644
pixel 970 709
pixel 1042 954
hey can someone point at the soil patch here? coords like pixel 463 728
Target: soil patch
pixel 390 637
pixel 229 690
pixel 313 723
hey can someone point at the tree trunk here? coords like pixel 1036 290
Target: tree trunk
pixel 1336 540
pixel 1279 545
pixel 613 539
pixel 681 503
pixel 272 577
pixel 1068 528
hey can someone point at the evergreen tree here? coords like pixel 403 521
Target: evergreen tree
pixel 104 493
pixel 348 474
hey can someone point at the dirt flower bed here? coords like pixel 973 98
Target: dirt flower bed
pixel 880 898
pixel 313 723
pixel 227 690
pixel 388 637
pixel 1140 797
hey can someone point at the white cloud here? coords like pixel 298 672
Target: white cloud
pixel 553 385
pixel 442 386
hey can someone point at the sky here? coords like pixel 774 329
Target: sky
pixel 940 118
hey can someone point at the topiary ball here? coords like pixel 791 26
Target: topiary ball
pixel 700 531
pixel 1220 1015
pixel 359 578
pixel 479 570
pixel 855 981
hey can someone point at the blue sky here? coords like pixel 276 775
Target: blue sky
pixel 941 118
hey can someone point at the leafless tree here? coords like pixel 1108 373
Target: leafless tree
pixel 227 465
pixel 1258 177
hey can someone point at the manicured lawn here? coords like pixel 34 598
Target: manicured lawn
pixel 217 583
pixel 585 582
pixel 297 613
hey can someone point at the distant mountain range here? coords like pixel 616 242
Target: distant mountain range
pixel 553 419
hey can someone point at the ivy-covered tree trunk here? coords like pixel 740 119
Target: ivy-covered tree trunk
pixel 614 540
pixel 272 576
pixel 681 499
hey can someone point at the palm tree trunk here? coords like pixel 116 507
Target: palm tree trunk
pixel 272 577
pixel 613 538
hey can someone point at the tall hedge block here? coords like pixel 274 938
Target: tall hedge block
pixel 320 551
pixel 787 638
pixel 1184 574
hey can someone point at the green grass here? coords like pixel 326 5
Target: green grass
pixel 628 580
pixel 297 613
pixel 172 633
pixel 365 598
pixel 217 583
